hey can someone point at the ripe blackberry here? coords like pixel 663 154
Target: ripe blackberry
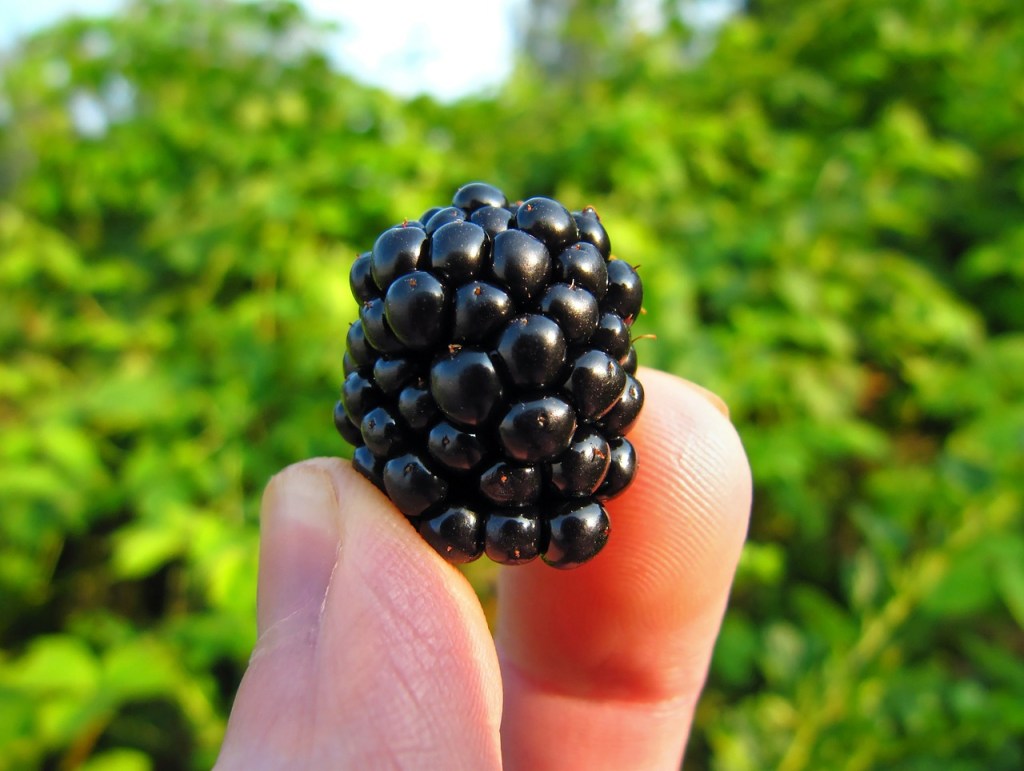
pixel 592 231
pixel 477 195
pixel 490 377
pixel 443 217
pixel 480 311
pixel 536 430
pixel 458 251
pixel 397 251
pixel 548 221
pixel 493 219
pixel 532 351
pixel 416 310
pixel 573 308
pixel 595 382
pixel 582 265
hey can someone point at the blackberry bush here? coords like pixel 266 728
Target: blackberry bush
pixel 490 378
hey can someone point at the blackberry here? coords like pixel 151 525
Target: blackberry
pixel 457 533
pixel 443 217
pixel 458 251
pixel 480 311
pixel 376 328
pixel 490 378
pixel 493 219
pixel 548 221
pixel 582 264
pixel 532 350
pixel 466 386
pixel 592 231
pixel 573 308
pixel 521 265
pixel 595 383
pixel 416 310
pixel 476 195
pixel 536 430
pixel 361 278
pixel 397 250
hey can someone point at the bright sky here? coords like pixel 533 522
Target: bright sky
pixel 444 47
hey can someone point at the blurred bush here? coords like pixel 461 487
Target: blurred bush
pixel 827 200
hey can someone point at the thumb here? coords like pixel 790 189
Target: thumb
pixel 372 651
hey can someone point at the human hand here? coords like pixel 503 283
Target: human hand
pixel 373 652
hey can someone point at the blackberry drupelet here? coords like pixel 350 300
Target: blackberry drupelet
pixel 491 378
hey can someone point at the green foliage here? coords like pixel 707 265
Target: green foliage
pixel 827 206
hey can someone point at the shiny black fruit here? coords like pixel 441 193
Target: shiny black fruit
pixel 573 308
pixel 491 376
pixel 416 310
pixel 459 251
pixel 621 469
pixel 595 383
pixel 578 531
pixel 515 537
pixel 411 484
pixel 592 231
pixel 547 220
pixel 481 310
pixel 457 533
pixel 536 430
pixel 521 265
pixel 625 291
pixel 397 251
pixel 532 350
pixel 466 386
pixel 476 195
pixel 582 468
pixel 582 265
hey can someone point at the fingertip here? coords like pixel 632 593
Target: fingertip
pixel 693 466
pixel 716 401
pixel 679 529
pixel 638 621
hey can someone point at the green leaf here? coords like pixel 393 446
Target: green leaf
pixel 118 760
pixel 140 668
pixel 1009 575
pixel 55 664
pixel 967 587
pixel 143 548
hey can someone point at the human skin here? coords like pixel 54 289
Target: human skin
pixel 373 652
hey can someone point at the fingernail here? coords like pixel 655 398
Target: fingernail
pixel 304 494
pixel 300 524
pixel 712 397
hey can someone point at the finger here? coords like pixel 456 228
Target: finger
pixel 372 651
pixel 603 665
